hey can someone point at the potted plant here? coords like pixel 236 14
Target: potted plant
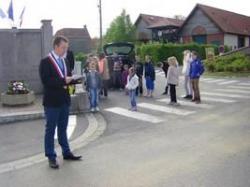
pixel 17 94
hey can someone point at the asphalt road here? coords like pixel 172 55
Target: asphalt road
pixel 186 146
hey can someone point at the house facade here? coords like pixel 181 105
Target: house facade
pixel 79 39
pixel 209 25
pixel 156 28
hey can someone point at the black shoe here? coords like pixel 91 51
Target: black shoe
pixel 186 97
pixel 164 93
pixel 53 164
pixel 189 97
pixel 71 157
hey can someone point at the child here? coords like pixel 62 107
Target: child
pixel 187 59
pixel 149 76
pixel 125 76
pixel 132 84
pixel 93 85
pixel 196 70
pixel 164 67
pixel 173 79
pixel 117 73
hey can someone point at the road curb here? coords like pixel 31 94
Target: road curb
pixel 96 127
pixel 27 116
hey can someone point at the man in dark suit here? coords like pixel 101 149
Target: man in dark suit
pixel 56 77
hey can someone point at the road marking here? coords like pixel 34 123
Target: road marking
pixel 135 115
pixel 189 103
pixel 216 80
pixel 206 79
pixel 225 95
pixel 217 100
pixel 239 87
pixel 96 127
pixel 234 91
pixel 228 82
pixel 166 109
pixel 71 127
pixel 244 84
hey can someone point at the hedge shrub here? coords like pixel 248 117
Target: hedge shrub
pixel 161 52
pixel 237 62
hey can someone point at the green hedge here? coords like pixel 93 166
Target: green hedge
pixel 237 62
pixel 161 52
pixel 81 57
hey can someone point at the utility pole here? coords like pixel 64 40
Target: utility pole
pixel 100 14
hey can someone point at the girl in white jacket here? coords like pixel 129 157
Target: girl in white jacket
pixel 132 84
pixel 173 79
pixel 187 59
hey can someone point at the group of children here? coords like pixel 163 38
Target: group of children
pixel 94 82
pixel 192 70
pixel 131 79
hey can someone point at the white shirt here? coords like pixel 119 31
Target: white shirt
pixel 132 83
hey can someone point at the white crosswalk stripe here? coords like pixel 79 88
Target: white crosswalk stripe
pixel 225 95
pixel 135 115
pixel 220 100
pixel 166 109
pixel 244 84
pixel 189 103
pixel 216 80
pixel 207 79
pixel 239 87
pixel 71 126
pixel 228 82
pixel 234 91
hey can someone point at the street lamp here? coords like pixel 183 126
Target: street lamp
pixel 100 18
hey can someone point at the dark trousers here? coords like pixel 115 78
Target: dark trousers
pixel 166 89
pixel 172 93
pixel 117 79
pixel 196 89
pixel 56 117
pixel 139 89
pixel 104 90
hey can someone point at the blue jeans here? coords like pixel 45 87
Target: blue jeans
pixel 93 97
pixel 56 117
pixel 149 83
pixel 132 96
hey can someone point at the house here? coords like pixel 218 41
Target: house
pixel 209 25
pixel 156 28
pixel 79 39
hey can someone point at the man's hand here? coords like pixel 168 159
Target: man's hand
pixel 68 80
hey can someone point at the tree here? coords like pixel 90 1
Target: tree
pixel 121 29
pixel 179 17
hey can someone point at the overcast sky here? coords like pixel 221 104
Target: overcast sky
pixel 76 13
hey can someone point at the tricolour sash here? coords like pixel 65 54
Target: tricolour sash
pixel 56 66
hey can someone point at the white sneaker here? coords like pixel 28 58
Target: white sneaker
pixel 92 110
pixel 97 109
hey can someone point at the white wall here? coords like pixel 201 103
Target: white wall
pixel 231 40
pixel 247 41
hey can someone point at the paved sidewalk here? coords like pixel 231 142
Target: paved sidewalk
pixel 24 112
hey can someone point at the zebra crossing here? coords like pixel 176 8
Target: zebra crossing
pixel 221 82
pixel 71 126
pixel 210 99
